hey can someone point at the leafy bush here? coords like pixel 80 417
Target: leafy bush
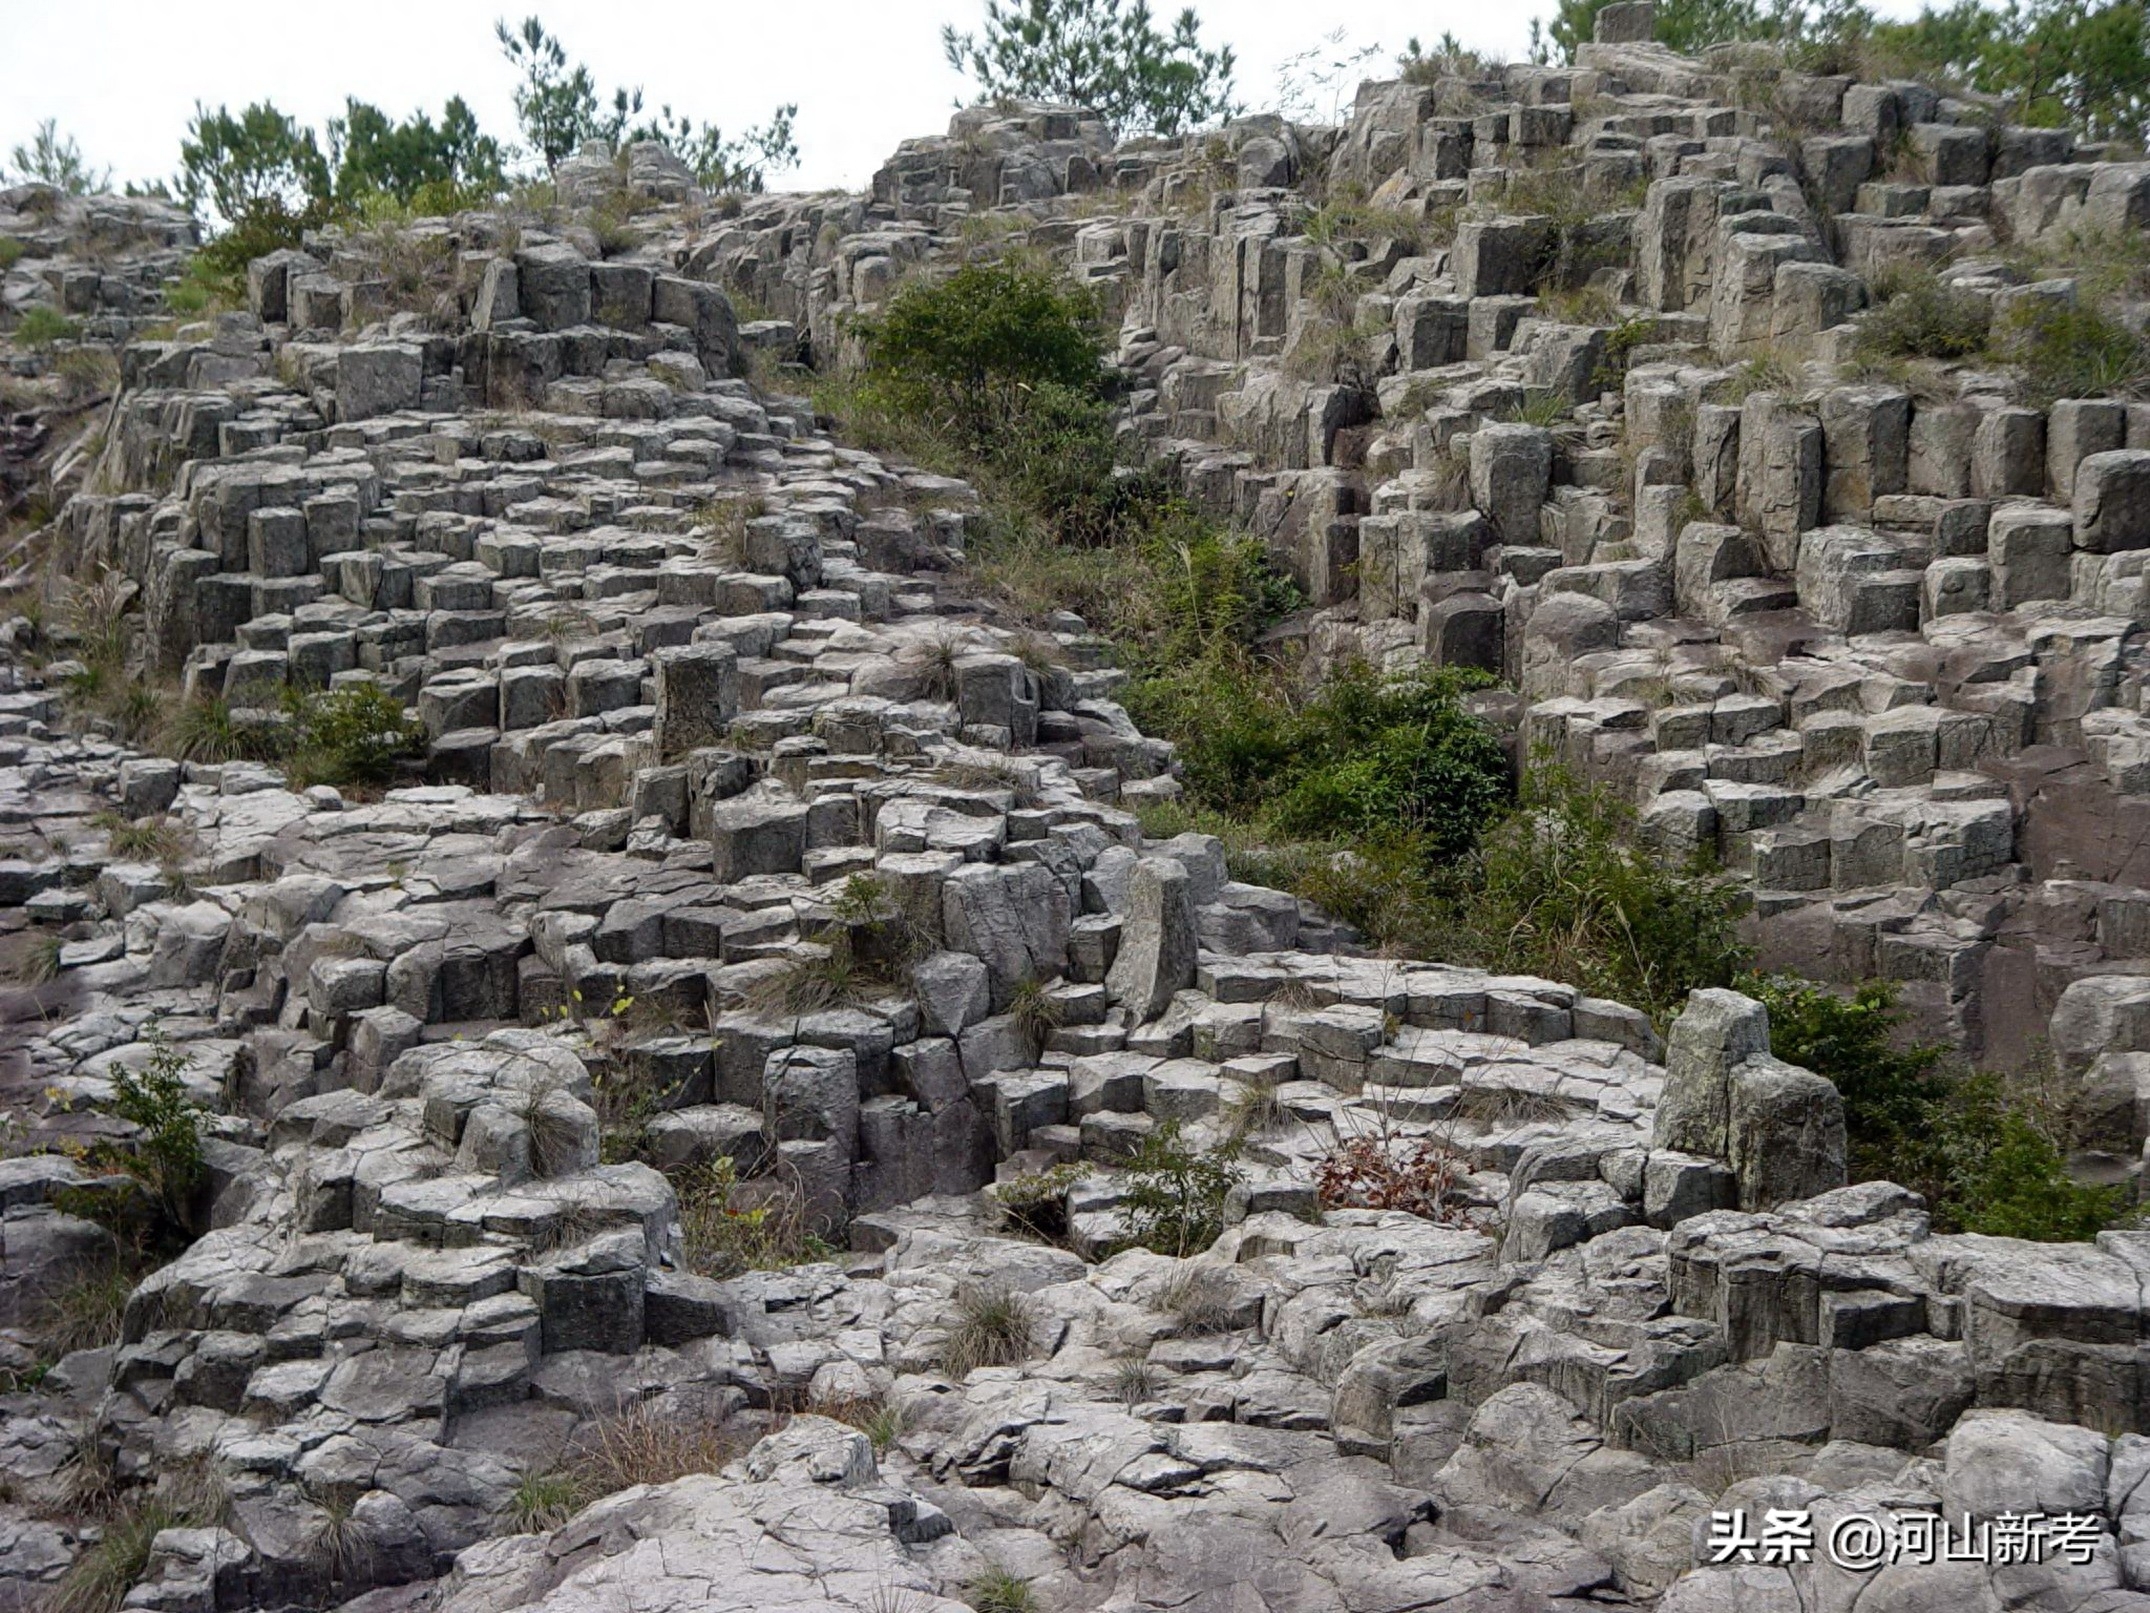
pixel 1917 316
pixel 1366 756
pixel 2076 351
pixel 1036 1201
pixel 970 352
pixel 352 735
pixel 1562 889
pixel 165 1154
pixel 1891 1094
pixel 997 373
pixel 2011 1178
pixel 1176 1193
pixel 262 225
pixel 1986 1156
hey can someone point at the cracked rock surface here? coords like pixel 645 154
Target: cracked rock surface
pixel 692 675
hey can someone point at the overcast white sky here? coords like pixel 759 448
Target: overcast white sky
pixel 123 78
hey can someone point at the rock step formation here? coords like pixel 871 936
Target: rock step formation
pixel 747 843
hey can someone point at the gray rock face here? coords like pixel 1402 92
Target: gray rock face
pixel 1157 943
pixel 754 882
pixel 1779 1128
pixel 1014 919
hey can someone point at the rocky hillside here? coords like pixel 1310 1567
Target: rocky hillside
pixel 639 1054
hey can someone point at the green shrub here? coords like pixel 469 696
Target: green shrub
pixel 1366 756
pixel 1370 755
pixel 12 252
pixel 1891 1094
pixel 2075 351
pixel 352 735
pixel 41 327
pixel 1563 890
pixel 2011 1178
pixel 1036 1201
pixel 262 225
pixel 1984 1154
pixel 1916 316
pixel 165 1155
pixel 1176 1193
pixel 970 352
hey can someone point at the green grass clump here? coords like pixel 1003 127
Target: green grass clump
pixel 992 1328
pixel 998 1591
pixel 209 730
pixel 543 1501
pixel 2075 351
pixel 41 327
pixel 1917 316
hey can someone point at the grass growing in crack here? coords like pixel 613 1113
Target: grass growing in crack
pixel 39 961
pixel 722 1238
pixel 340 1547
pixel 547 1109
pixel 1202 1300
pixel 813 980
pixel 879 1419
pixel 992 1328
pixel 989 776
pixel 156 839
pixel 643 1445
pixel 1508 1106
pixel 998 1591
pixel 102 1576
pixel 82 1313
pixel 208 730
pixel 1254 1107
pixel 541 1502
pixel 189 1496
pixel 1134 1380
pixel 89 1483
pixel 1036 1011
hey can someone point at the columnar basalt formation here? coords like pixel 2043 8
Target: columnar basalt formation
pixel 707 713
